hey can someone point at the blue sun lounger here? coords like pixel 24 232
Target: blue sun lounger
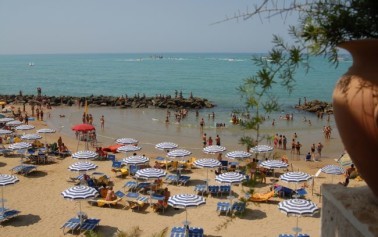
pixel 238 207
pixel 23 169
pixel 74 224
pixel 8 214
pixel 223 207
pixel 290 235
pixel 180 232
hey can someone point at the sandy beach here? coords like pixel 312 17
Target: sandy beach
pixel 44 211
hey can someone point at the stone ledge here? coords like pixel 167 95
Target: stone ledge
pixel 349 211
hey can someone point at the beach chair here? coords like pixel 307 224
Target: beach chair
pixel 224 189
pixel 192 232
pixel 200 189
pixel 262 197
pixel 161 204
pixel 133 169
pixel 23 169
pixel 131 185
pixel 8 214
pixel 72 224
pixel 183 180
pixel 103 202
pixel 117 166
pixel 238 207
pixel 283 191
pixel 224 165
pixel 300 193
pixel 136 201
pixel 223 207
pixel 177 232
pixel 213 190
pixel 171 178
pixel 89 224
pixel 111 157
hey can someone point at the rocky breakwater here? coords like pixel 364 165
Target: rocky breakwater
pixel 137 101
pixel 316 106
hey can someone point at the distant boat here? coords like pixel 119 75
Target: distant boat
pixel 31 64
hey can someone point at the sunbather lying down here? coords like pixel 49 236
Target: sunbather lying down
pixel 261 197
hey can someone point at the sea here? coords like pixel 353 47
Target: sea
pixel 215 76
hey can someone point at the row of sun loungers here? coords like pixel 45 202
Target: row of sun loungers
pixel 175 179
pixel 192 232
pixel 289 235
pixel 227 207
pixel 212 189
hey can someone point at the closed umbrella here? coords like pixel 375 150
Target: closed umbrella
pixel 207 163
pixel 6 179
pixel 79 193
pixel 184 201
pixel 126 141
pixel 298 207
pixel 85 155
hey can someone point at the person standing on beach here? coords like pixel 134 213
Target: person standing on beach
pixel 204 140
pixel 210 141
pixel 41 114
pixel 202 124
pixel 284 142
pixel 102 122
pixel 217 140
pixel 313 152
pixel 319 149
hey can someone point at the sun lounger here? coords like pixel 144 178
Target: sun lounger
pixel 117 166
pixel 262 197
pixel 102 202
pixel 183 180
pixel 283 191
pixel 213 190
pixel 238 207
pixel 223 207
pixel 89 224
pixel 224 189
pixel 200 188
pixel 72 224
pixel 171 178
pixel 8 214
pixel 23 169
pixel 180 232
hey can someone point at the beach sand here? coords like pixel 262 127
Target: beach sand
pixel 44 211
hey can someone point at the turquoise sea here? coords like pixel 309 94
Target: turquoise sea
pixel 214 76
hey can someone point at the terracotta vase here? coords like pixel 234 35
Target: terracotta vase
pixel 355 104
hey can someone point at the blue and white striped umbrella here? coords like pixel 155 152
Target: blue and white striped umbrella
pixel 6 179
pixel 298 207
pixel 166 146
pixel 135 160
pixel 46 130
pixel 14 123
pixel 19 146
pixel 178 153
pixel 5 120
pixel 333 169
pixel 25 127
pixel 82 166
pixel 128 148
pixel 85 155
pixel 274 164
pixel 295 177
pixel 150 173
pixel 238 155
pixel 31 136
pixel 184 201
pixel 230 178
pixel 207 163
pixel 5 131
pixel 261 149
pixel 214 149
pixel 126 141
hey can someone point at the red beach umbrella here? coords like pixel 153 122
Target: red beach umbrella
pixel 83 127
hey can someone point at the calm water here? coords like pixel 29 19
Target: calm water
pixel 213 76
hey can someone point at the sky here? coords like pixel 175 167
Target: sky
pixel 133 26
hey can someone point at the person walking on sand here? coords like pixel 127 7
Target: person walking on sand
pixel 204 140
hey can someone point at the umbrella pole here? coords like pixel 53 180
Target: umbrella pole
pixel 2 199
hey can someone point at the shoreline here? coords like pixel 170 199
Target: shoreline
pixel 44 211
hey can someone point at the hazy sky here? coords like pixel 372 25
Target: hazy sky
pixel 123 26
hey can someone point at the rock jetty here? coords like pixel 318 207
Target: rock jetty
pixel 137 101
pixel 316 106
